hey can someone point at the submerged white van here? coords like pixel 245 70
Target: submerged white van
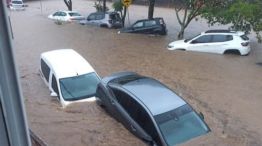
pixel 68 76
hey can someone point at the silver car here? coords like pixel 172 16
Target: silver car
pixel 108 19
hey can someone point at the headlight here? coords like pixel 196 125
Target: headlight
pixel 169 46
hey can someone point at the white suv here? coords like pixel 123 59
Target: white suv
pixel 215 41
pixel 17 5
pixel 68 76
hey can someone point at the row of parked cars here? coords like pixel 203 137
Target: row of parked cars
pixel 211 41
pixel 146 107
pixel 112 20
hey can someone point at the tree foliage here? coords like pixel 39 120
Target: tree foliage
pixel 119 7
pixel 244 15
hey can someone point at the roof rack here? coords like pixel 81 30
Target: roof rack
pixel 220 31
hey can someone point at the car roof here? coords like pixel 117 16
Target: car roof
pixel 154 95
pixel 157 18
pixel 67 63
pixel 224 32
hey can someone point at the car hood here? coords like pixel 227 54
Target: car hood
pixel 177 44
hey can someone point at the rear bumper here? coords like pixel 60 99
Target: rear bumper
pixel 245 50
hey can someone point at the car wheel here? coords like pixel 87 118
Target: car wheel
pixel 181 49
pixel 232 51
pixel 104 25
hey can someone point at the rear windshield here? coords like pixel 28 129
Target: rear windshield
pixel 74 14
pixel 17 2
pixel 244 37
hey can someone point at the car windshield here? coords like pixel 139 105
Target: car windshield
pixel 74 14
pixel 189 39
pixel 17 2
pixel 180 125
pixel 79 87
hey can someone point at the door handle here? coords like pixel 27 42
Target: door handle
pixel 133 128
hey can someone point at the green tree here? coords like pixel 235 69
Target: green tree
pixel 119 7
pixel 243 15
pixel 186 11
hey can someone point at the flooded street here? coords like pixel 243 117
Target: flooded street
pixel 227 89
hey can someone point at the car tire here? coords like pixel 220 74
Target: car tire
pixel 104 25
pixel 181 49
pixel 232 51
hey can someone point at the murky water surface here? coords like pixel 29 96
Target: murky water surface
pixel 226 88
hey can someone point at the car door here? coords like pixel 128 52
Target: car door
pixel 138 27
pixel 91 19
pixel 201 43
pixel 126 109
pixel 63 16
pixel 56 15
pixel 220 43
pixel 151 27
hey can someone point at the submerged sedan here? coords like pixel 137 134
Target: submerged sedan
pixel 149 109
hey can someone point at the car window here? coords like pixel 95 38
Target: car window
pixel 74 14
pixel 150 23
pixel 54 84
pixel 62 14
pixel 56 14
pixel 99 16
pixel 114 16
pixel 203 39
pixel 17 2
pixel 138 113
pixel 45 69
pixel 244 37
pixel 92 17
pixel 138 24
pixel 222 38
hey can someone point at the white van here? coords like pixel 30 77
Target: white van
pixel 68 76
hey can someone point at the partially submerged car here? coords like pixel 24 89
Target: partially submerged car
pixel 147 26
pixel 149 109
pixel 107 19
pixel 16 5
pixel 66 16
pixel 215 41
pixel 68 76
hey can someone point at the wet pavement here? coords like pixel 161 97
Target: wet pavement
pixel 226 88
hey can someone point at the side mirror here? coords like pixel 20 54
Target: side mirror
pixel 201 115
pixel 53 94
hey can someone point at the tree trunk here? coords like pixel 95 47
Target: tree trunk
pixel 68 4
pixel 181 33
pixel 104 5
pixel 124 16
pixel 151 9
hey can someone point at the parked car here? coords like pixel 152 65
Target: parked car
pixel 68 76
pixel 66 16
pixel 149 109
pixel 215 41
pixel 147 26
pixel 108 19
pixel 17 5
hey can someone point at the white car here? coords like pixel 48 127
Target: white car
pixel 66 16
pixel 215 41
pixel 68 76
pixel 16 5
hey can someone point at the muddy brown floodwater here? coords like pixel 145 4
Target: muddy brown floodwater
pixel 226 88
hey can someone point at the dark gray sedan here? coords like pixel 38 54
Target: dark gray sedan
pixel 149 109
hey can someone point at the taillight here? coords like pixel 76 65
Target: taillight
pixel 245 44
